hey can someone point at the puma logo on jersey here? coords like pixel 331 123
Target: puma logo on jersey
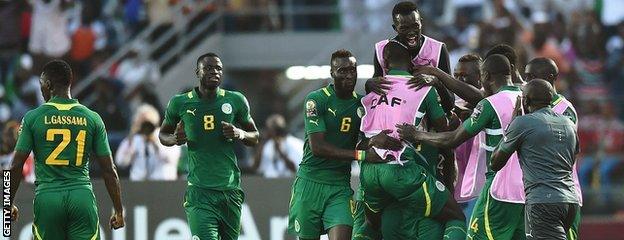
pixel 315 122
pixel 191 112
pixel 331 111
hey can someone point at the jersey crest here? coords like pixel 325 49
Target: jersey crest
pixel 311 108
pixel 226 108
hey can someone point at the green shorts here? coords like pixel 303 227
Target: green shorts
pixel 66 214
pixel 493 219
pixel 573 232
pixel 213 214
pixel 361 230
pixel 316 207
pixel 410 185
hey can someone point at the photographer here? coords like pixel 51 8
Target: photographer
pixel 281 153
pixel 149 159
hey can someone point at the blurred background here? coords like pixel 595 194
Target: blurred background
pixel 131 56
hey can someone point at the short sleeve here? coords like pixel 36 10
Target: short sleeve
pixel 570 114
pixel 172 116
pixel 25 136
pixel 243 115
pixel 513 136
pixel 313 114
pixel 482 115
pixel 100 142
pixel 432 105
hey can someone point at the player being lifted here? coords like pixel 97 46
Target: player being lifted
pixel 208 119
pixel 63 135
pixel 407 183
pixel 321 200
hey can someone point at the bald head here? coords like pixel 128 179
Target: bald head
pixel 397 57
pixel 538 93
pixel 542 68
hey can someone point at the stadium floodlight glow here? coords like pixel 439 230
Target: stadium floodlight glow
pixel 365 71
pixel 315 72
pixel 296 72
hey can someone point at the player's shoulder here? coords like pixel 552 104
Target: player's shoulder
pixel 484 106
pixel 321 94
pixel 232 94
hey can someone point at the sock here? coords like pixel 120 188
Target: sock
pixel 455 230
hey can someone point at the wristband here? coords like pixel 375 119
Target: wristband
pixel 360 155
pixel 241 133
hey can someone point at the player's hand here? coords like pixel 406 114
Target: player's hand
pixel 117 220
pixel 230 131
pixel 372 157
pixel 378 85
pixel 180 135
pixel 421 80
pixel 14 213
pixel 383 141
pixel 407 132
pixel 518 108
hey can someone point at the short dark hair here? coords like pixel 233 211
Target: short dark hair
pixel 497 64
pixel 58 72
pixel 396 56
pixel 342 53
pixel 471 58
pixel 405 7
pixel 545 65
pixel 504 50
pixel 207 55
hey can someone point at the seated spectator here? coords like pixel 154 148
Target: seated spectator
pixel 141 150
pixel 281 153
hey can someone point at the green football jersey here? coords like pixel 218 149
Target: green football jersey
pixel 211 160
pixel 484 116
pixel 62 134
pixel 339 119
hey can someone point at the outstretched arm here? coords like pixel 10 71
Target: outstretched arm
pixel 324 149
pixel 512 141
pixel 439 140
pixel 464 90
pixel 499 159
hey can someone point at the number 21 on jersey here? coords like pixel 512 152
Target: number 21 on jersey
pixel 65 140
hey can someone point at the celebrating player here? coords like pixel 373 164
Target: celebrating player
pixel 405 182
pixel 321 198
pixel 63 134
pixel 498 211
pixel 424 51
pixel 209 119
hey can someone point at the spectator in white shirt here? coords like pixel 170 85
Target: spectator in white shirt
pixel 141 150
pixel 281 153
